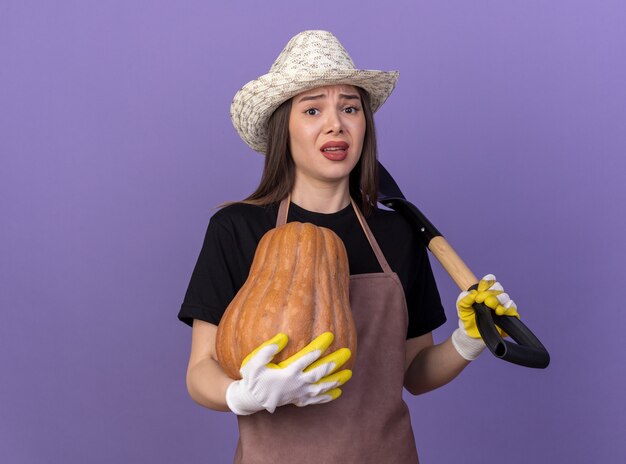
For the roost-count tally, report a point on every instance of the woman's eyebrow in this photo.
(311, 97)
(343, 96)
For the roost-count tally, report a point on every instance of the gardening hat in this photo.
(310, 59)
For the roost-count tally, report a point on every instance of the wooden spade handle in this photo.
(452, 263)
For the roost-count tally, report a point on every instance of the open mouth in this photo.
(335, 151)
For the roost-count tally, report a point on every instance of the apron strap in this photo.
(283, 210)
(370, 238)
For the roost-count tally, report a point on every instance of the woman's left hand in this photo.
(303, 379)
(466, 338)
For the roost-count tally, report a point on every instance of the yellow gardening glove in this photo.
(303, 379)
(466, 338)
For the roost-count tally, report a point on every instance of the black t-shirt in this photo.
(234, 232)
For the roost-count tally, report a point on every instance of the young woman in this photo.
(311, 116)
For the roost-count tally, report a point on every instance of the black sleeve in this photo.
(426, 312)
(215, 280)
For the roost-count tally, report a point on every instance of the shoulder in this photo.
(389, 222)
(397, 238)
(239, 214)
(242, 225)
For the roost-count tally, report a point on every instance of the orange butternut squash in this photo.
(298, 284)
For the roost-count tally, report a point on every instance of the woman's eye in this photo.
(312, 111)
(351, 109)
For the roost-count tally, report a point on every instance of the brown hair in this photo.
(278, 176)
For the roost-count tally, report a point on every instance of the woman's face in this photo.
(326, 131)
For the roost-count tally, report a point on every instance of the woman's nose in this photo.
(333, 122)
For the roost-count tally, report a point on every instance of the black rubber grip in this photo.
(527, 351)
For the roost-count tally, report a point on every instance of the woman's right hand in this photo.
(466, 339)
(303, 379)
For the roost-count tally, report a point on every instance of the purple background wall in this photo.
(508, 128)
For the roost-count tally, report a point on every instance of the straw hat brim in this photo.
(255, 102)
